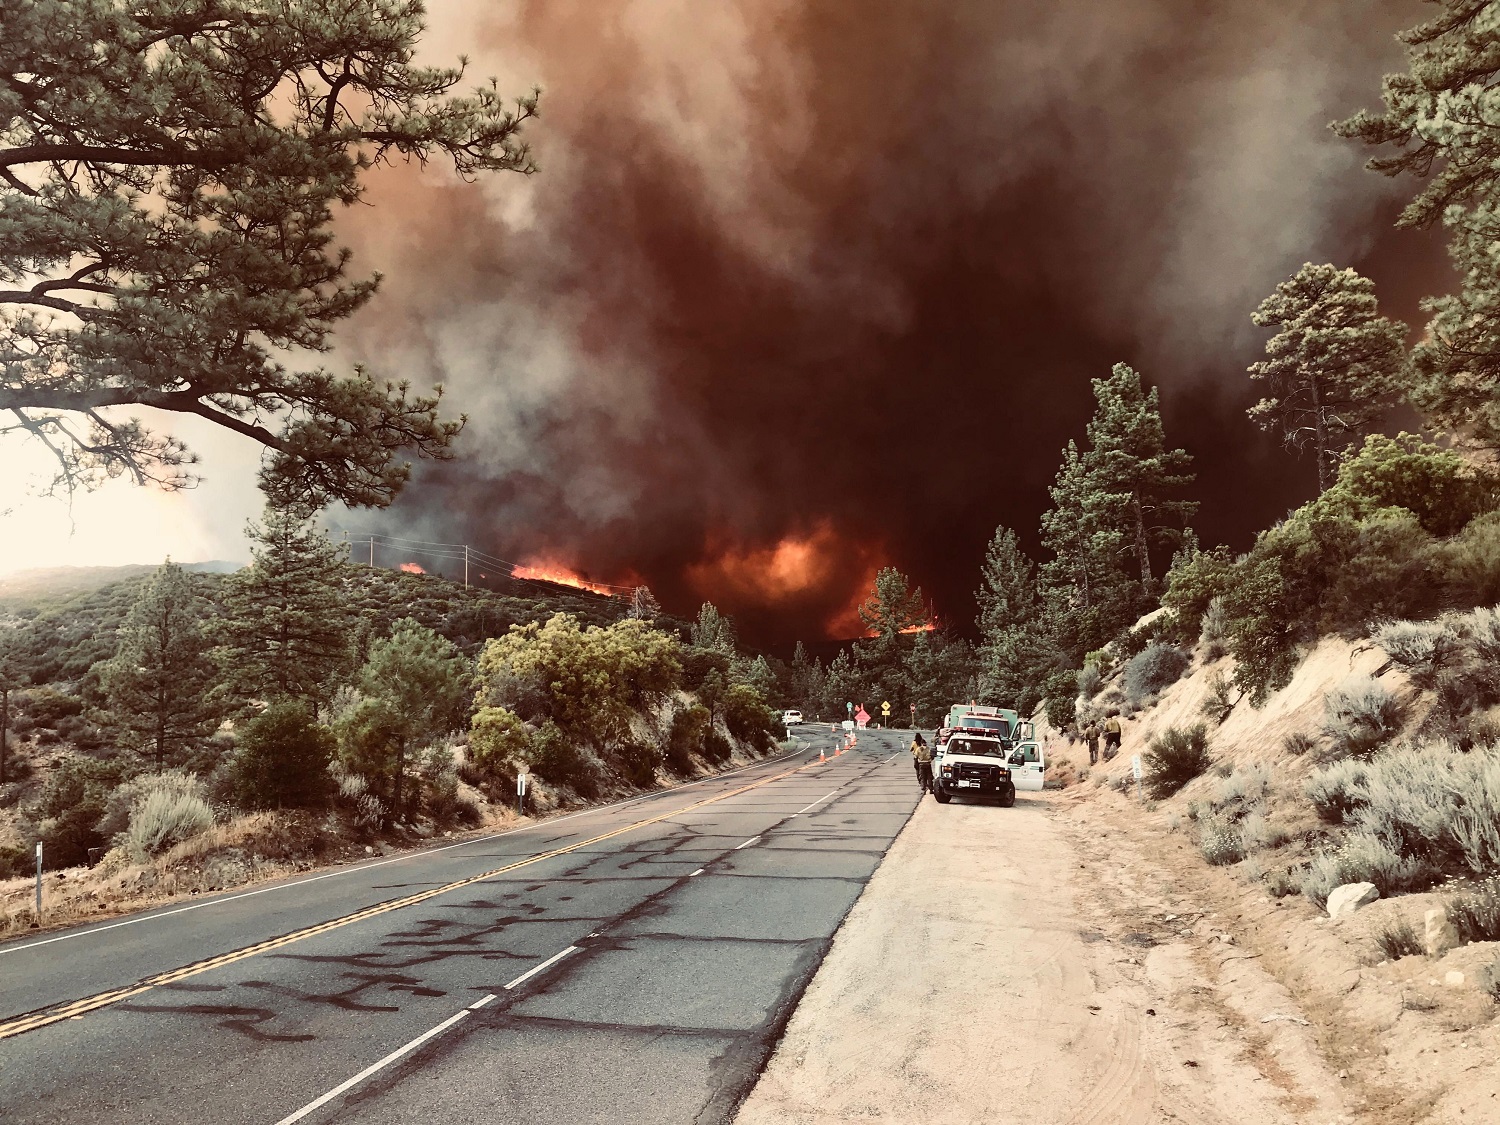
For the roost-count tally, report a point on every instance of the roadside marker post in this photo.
(38, 881)
(1135, 769)
(521, 793)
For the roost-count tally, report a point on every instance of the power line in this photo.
(468, 554)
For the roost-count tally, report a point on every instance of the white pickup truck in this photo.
(978, 765)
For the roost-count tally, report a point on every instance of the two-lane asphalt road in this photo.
(628, 964)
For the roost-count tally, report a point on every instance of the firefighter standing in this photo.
(921, 755)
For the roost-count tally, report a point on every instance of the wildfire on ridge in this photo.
(412, 568)
(561, 576)
(927, 627)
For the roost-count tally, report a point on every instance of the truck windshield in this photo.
(981, 746)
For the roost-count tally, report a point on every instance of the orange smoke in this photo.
(560, 575)
(801, 572)
(412, 568)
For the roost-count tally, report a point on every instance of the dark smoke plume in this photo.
(806, 286)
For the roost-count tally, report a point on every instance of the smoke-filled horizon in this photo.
(805, 288)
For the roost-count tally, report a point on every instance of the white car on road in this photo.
(791, 718)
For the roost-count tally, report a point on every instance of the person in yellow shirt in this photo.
(1112, 734)
(921, 755)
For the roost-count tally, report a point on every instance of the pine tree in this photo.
(1440, 115)
(1114, 509)
(892, 606)
(1087, 596)
(1333, 367)
(158, 679)
(288, 629)
(423, 681)
(643, 604)
(169, 176)
(713, 630)
(1009, 613)
(1133, 472)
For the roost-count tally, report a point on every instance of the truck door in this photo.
(1028, 767)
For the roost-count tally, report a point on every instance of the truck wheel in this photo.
(1008, 798)
(942, 797)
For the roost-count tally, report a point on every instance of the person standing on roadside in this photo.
(921, 755)
(1091, 736)
(1112, 733)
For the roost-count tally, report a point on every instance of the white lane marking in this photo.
(747, 843)
(371, 866)
(700, 871)
(554, 959)
(369, 1070)
(819, 801)
(481, 1002)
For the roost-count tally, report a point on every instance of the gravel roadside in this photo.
(987, 974)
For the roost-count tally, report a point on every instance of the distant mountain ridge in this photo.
(41, 583)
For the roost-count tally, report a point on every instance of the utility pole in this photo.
(372, 550)
(466, 566)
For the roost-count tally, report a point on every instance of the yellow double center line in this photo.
(47, 1016)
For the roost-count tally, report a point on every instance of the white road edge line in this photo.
(378, 863)
(747, 843)
(529, 973)
(481, 1002)
(369, 1070)
(819, 801)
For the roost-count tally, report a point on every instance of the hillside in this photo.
(1296, 798)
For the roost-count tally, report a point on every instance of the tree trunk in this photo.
(4, 728)
(1321, 438)
(400, 772)
(1140, 541)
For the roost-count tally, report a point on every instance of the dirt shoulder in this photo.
(1027, 964)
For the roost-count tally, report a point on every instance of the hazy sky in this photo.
(802, 287)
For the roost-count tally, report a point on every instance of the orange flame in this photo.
(561, 576)
(927, 628)
(412, 568)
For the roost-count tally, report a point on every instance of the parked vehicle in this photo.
(791, 718)
(974, 765)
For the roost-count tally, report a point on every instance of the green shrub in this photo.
(1422, 649)
(1397, 939)
(69, 809)
(1259, 833)
(1090, 678)
(590, 681)
(1151, 670)
(690, 726)
(1475, 912)
(1299, 743)
(557, 758)
(1441, 490)
(1362, 857)
(1433, 811)
(716, 748)
(1174, 758)
(48, 708)
(1470, 563)
(1221, 841)
(748, 718)
(1194, 584)
(127, 795)
(282, 760)
(1221, 698)
(698, 664)
(497, 738)
(162, 819)
(1361, 715)
(1338, 791)
(638, 763)
(1249, 784)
